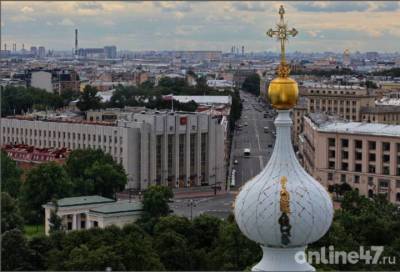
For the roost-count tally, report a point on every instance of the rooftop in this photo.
(119, 207)
(204, 99)
(83, 200)
(333, 124)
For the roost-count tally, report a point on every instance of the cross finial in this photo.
(282, 33)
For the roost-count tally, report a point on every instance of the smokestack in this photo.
(76, 42)
(23, 47)
(5, 47)
(242, 50)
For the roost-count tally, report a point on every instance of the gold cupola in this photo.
(283, 91)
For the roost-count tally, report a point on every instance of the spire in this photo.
(282, 34)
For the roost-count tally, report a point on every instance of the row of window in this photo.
(64, 135)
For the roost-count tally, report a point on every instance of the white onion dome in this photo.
(283, 206)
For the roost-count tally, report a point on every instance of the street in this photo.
(250, 134)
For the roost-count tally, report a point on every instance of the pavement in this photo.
(193, 203)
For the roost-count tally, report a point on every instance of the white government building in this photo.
(86, 212)
(167, 148)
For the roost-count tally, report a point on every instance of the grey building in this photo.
(171, 149)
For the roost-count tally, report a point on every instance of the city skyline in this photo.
(139, 26)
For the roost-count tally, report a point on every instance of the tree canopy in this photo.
(252, 84)
(10, 175)
(16, 100)
(95, 172)
(43, 183)
(88, 99)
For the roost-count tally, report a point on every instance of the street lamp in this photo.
(191, 204)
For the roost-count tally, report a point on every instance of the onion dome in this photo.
(283, 208)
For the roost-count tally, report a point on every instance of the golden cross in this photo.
(282, 33)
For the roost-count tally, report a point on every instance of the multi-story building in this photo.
(172, 149)
(364, 155)
(54, 80)
(381, 114)
(41, 52)
(344, 101)
(110, 52)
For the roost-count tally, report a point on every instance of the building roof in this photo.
(204, 99)
(119, 207)
(334, 125)
(83, 200)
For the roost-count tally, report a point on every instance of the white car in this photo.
(235, 162)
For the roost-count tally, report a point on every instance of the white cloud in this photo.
(66, 22)
(27, 9)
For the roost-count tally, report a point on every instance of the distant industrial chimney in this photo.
(76, 42)
(5, 47)
(242, 50)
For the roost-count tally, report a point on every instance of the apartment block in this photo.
(365, 155)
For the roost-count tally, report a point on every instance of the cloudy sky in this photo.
(322, 26)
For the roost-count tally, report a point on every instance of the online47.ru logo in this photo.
(371, 255)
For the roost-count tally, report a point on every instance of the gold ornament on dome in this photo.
(283, 91)
(285, 197)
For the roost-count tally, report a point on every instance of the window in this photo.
(370, 181)
(345, 155)
(331, 153)
(358, 143)
(386, 146)
(397, 183)
(385, 158)
(372, 145)
(385, 170)
(383, 184)
(356, 179)
(330, 176)
(345, 166)
(343, 178)
(331, 165)
(358, 156)
(331, 141)
(371, 169)
(345, 143)
(358, 167)
(372, 157)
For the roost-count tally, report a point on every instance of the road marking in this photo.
(261, 162)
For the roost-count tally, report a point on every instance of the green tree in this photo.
(234, 251)
(155, 201)
(55, 221)
(252, 84)
(89, 99)
(83, 259)
(16, 100)
(39, 246)
(106, 178)
(43, 183)
(178, 224)
(10, 175)
(15, 253)
(10, 215)
(174, 251)
(94, 172)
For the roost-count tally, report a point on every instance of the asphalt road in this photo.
(250, 136)
(253, 137)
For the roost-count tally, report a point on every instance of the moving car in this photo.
(246, 152)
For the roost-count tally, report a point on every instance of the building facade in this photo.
(364, 155)
(86, 212)
(171, 149)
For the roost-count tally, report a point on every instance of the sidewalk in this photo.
(185, 195)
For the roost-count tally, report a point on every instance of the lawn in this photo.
(33, 230)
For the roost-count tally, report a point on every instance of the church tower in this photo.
(283, 208)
